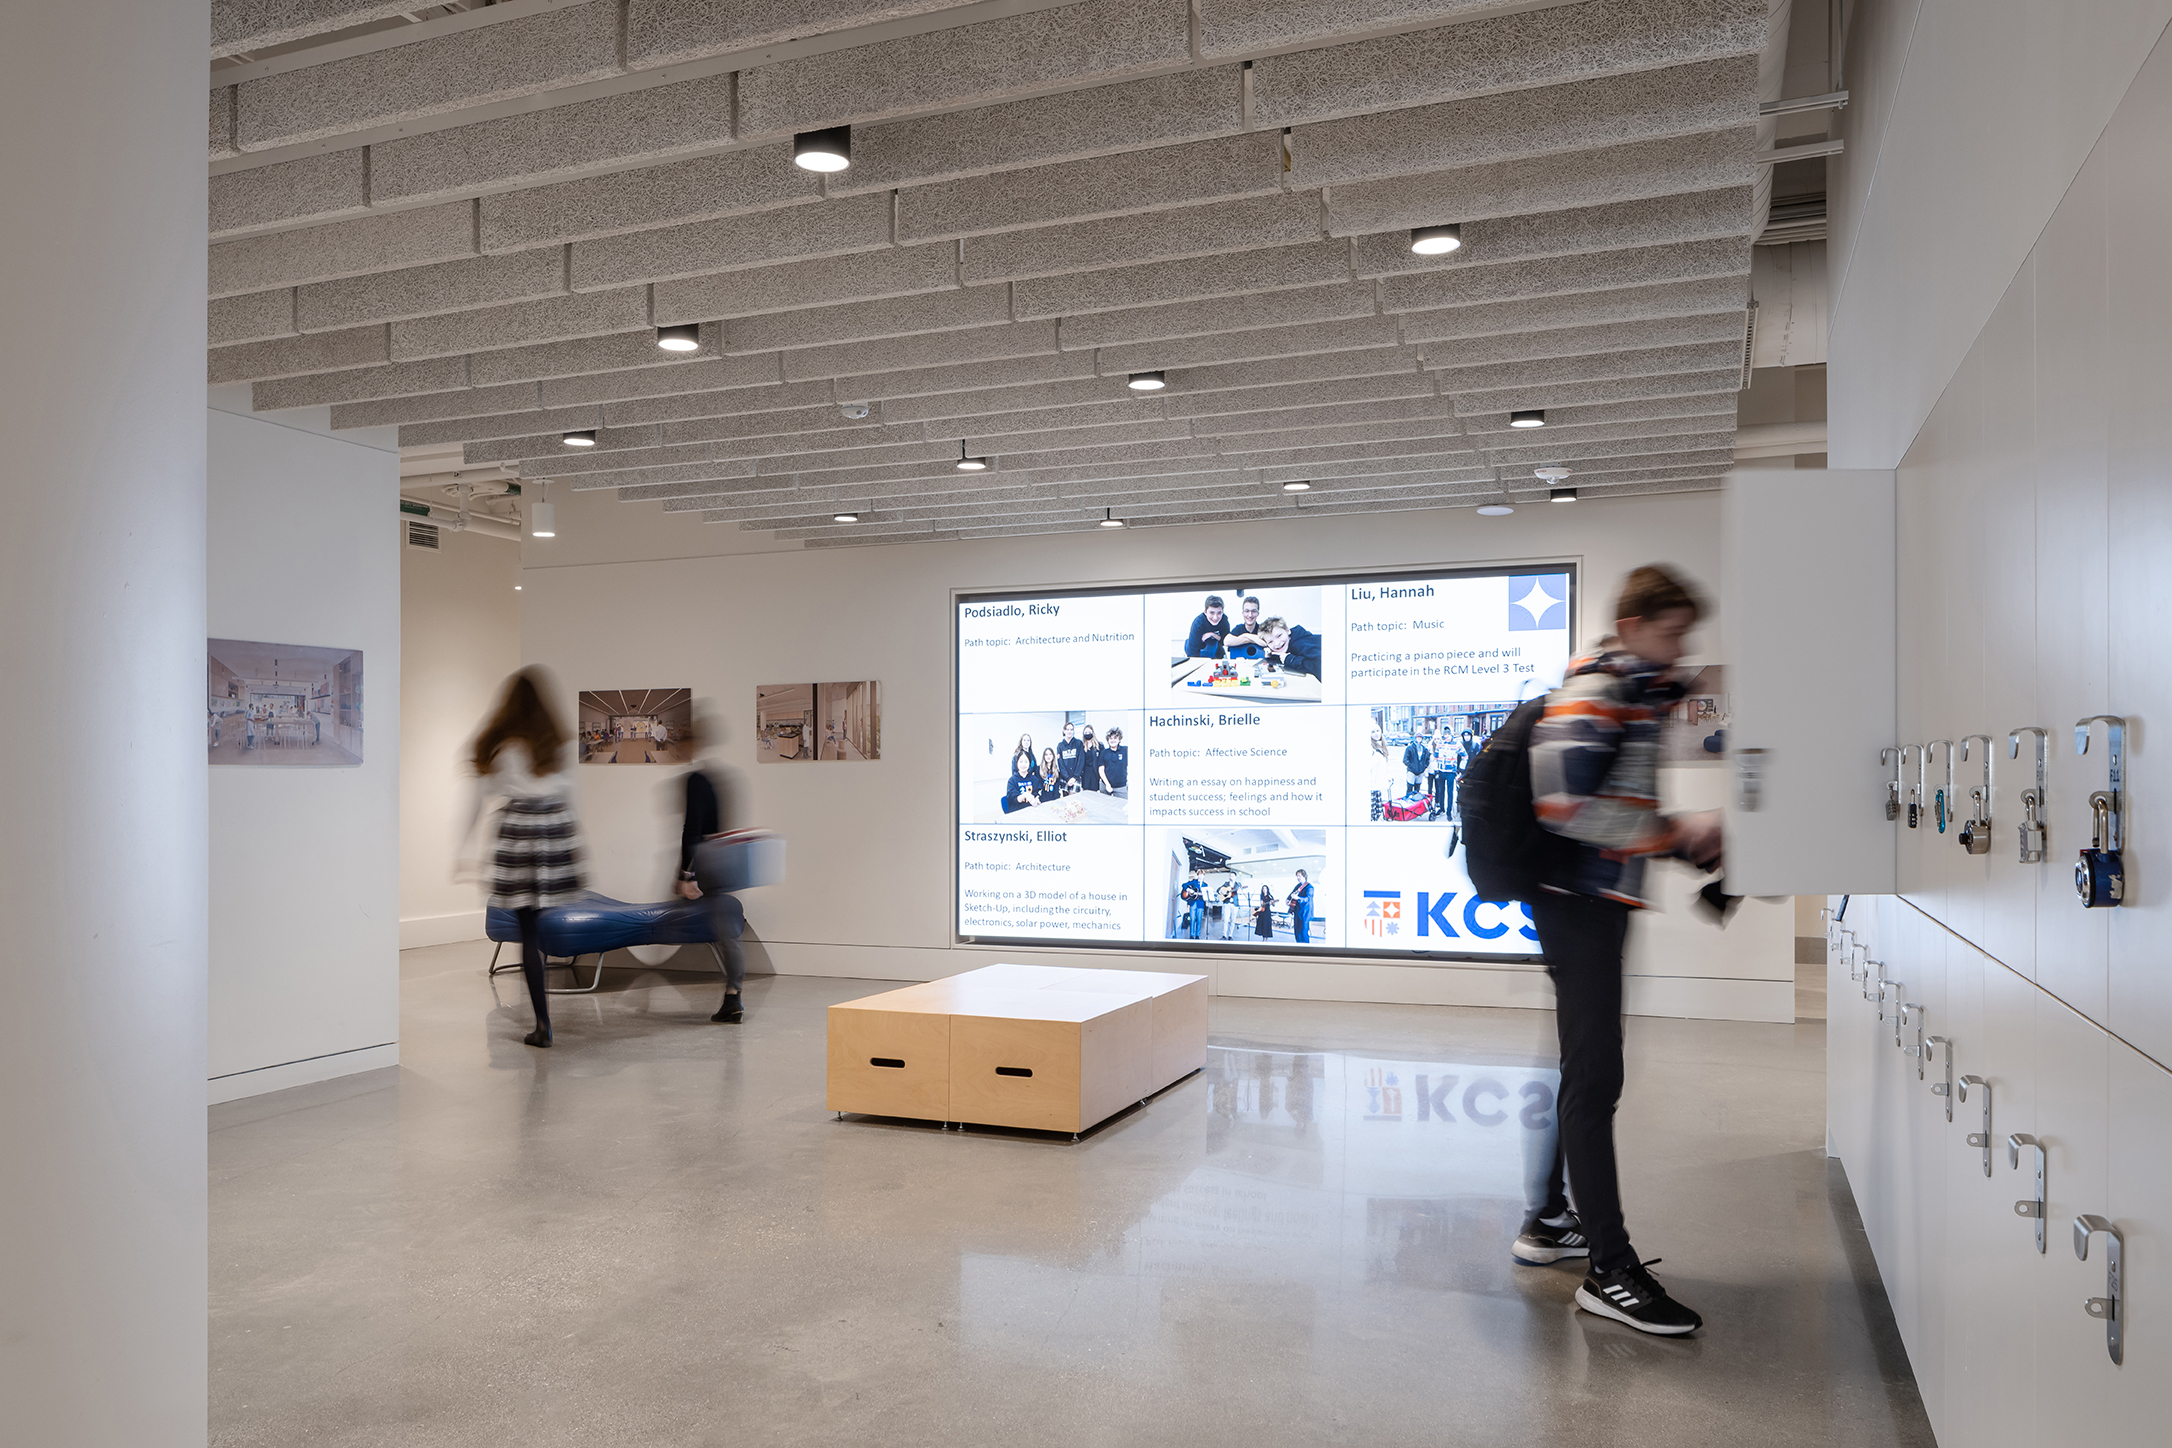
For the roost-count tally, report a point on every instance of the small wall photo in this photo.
(283, 704)
(810, 723)
(636, 726)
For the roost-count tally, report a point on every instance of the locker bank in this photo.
(1498, 779)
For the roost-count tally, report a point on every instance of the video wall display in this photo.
(1244, 766)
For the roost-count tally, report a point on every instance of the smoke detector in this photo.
(1551, 475)
(853, 410)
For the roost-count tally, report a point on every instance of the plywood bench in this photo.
(1041, 1047)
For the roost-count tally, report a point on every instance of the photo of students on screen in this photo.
(1242, 643)
(1078, 773)
(1419, 753)
(1246, 886)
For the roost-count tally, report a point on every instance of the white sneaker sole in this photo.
(1537, 1256)
(1599, 1307)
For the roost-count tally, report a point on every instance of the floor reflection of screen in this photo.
(1254, 767)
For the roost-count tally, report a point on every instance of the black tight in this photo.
(1582, 939)
(531, 965)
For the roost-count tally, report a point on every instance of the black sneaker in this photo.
(1549, 1241)
(729, 1013)
(1631, 1294)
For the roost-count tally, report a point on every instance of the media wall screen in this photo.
(1266, 767)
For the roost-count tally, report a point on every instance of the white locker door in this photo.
(2139, 1203)
(1807, 613)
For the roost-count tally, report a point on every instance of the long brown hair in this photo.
(525, 716)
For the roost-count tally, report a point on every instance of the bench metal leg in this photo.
(574, 965)
(495, 951)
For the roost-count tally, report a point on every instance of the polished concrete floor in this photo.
(654, 1234)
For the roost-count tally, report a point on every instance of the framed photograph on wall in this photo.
(283, 704)
(809, 723)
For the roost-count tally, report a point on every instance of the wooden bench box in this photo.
(1041, 1047)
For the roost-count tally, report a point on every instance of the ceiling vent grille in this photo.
(1749, 344)
(422, 535)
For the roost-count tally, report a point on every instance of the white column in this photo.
(102, 773)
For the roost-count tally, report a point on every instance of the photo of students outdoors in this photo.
(636, 726)
(1050, 766)
(1419, 751)
(1236, 643)
(1247, 886)
(286, 704)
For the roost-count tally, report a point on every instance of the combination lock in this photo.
(2100, 878)
(2032, 827)
(1976, 831)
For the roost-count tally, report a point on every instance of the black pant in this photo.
(531, 964)
(729, 917)
(1582, 938)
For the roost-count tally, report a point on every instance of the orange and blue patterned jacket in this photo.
(1595, 772)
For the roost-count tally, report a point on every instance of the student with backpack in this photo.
(1561, 811)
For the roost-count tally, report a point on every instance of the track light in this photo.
(1561, 495)
(1527, 417)
(1147, 382)
(1436, 240)
(845, 518)
(586, 437)
(1296, 487)
(1109, 519)
(969, 465)
(542, 517)
(1495, 510)
(829, 150)
(683, 338)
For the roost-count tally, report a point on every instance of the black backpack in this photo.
(1506, 851)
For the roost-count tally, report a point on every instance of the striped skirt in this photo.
(538, 860)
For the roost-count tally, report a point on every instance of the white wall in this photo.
(304, 874)
(102, 1221)
(2035, 533)
(870, 887)
(459, 638)
(1967, 122)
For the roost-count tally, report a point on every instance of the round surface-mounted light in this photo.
(1147, 382)
(1109, 520)
(1527, 417)
(829, 150)
(1495, 510)
(1561, 495)
(584, 438)
(1436, 240)
(845, 518)
(1297, 487)
(684, 338)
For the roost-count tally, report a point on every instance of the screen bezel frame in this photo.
(959, 597)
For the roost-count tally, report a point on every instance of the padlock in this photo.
(1892, 802)
(1975, 834)
(1914, 810)
(2032, 828)
(2100, 878)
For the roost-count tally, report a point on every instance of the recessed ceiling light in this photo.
(1110, 520)
(684, 338)
(516, 588)
(1561, 495)
(1436, 240)
(1527, 417)
(1495, 510)
(1297, 487)
(829, 150)
(584, 438)
(969, 465)
(1147, 382)
(845, 518)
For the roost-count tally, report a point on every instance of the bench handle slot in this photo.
(1014, 1071)
(891, 1061)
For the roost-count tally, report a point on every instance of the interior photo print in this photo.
(808, 723)
(1255, 886)
(1240, 644)
(290, 704)
(637, 726)
(1053, 766)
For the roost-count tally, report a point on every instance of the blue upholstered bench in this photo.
(596, 924)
